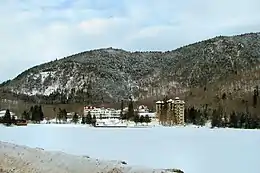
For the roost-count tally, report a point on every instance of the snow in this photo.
(117, 122)
(44, 75)
(70, 82)
(35, 76)
(15, 158)
(111, 122)
(51, 89)
(150, 114)
(31, 93)
(111, 51)
(193, 150)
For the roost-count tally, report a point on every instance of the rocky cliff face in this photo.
(113, 74)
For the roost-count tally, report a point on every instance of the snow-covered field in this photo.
(21, 159)
(193, 150)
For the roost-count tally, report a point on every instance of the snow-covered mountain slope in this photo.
(112, 74)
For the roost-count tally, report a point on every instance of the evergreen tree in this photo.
(233, 122)
(130, 113)
(25, 115)
(186, 115)
(242, 120)
(255, 122)
(41, 113)
(247, 121)
(64, 115)
(206, 116)
(88, 118)
(147, 119)
(136, 119)
(7, 118)
(75, 118)
(141, 119)
(197, 117)
(31, 113)
(122, 110)
(163, 114)
(60, 115)
(192, 115)
(83, 120)
(200, 119)
(36, 113)
(216, 119)
(255, 96)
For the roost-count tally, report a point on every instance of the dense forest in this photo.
(221, 114)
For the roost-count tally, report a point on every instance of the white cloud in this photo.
(33, 32)
(100, 27)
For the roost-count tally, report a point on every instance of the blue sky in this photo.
(35, 31)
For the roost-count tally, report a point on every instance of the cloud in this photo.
(34, 32)
(100, 27)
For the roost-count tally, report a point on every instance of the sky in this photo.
(35, 31)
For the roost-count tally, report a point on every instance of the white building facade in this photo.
(102, 113)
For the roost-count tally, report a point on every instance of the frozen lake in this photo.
(193, 150)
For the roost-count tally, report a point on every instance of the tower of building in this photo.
(158, 108)
(178, 108)
(174, 113)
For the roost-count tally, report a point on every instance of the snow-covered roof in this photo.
(169, 101)
(53, 120)
(176, 100)
(146, 113)
(159, 102)
(70, 113)
(142, 107)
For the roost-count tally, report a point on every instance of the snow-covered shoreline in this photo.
(22, 159)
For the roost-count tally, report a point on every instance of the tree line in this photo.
(7, 119)
(218, 118)
(89, 119)
(132, 115)
(35, 114)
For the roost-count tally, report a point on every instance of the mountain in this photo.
(223, 63)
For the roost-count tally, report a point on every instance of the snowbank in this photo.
(21, 159)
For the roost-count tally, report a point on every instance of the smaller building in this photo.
(143, 108)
